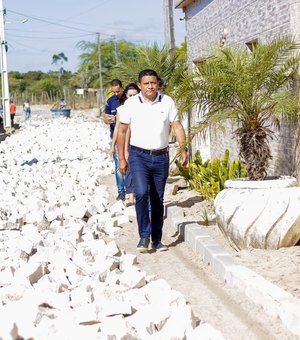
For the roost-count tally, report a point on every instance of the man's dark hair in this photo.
(116, 82)
(147, 72)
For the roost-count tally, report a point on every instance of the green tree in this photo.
(15, 75)
(34, 75)
(169, 67)
(253, 89)
(49, 86)
(59, 59)
(112, 53)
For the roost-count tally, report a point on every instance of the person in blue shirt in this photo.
(110, 118)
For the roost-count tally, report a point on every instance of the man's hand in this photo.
(123, 165)
(184, 157)
(108, 119)
(112, 150)
(180, 136)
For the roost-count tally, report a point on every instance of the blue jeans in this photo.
(120, 181)
(27, 113)
(129, 181)
(149, 175)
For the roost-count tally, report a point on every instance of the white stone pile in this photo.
(59, 278)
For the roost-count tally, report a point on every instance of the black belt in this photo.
(151, 152)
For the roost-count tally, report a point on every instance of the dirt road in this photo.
(229, 311)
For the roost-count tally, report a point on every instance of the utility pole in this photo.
(116, 51)
(169, 26)
(4, 74)
(100, 73)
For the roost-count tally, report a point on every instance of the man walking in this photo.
(110, 118)
(27, 110)
(12, 111)
(150, 115)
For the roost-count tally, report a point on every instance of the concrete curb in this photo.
(275, 301)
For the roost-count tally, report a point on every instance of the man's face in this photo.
(149, 87)
(117, 90)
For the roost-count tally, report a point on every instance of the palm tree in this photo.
(169, 67)
(256, 90)
(59, 58)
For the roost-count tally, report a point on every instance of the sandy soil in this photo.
(228, 310)
(282, 266)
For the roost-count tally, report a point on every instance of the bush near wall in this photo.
(208, 177)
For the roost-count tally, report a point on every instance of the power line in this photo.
(57, 23)
(50, 22)
(52, 38)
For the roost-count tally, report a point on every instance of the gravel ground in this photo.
(226, 309)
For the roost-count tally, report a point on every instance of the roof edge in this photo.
(182, 3)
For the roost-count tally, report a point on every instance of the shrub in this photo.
(208, 177)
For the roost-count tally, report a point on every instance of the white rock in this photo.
(31, 270)
(116, 327)
(117, 207)
(127, 261)
(79, 297)
(181, 321)
(6, 276)
(111, 304)
(206, 332)
(132, 278)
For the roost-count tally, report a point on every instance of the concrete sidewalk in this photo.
(275, 301)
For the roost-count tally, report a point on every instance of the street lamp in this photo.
(17, 21)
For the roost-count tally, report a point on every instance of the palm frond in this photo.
(254, 89)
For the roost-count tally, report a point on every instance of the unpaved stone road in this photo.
(226, 309)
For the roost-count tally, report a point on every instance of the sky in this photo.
(56, 26)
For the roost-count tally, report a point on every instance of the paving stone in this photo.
(211, 252)
(221, 263)
(197, 235)
(202, 243)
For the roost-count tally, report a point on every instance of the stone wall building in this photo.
(242, 23)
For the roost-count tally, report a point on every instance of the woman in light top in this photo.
(130, 90)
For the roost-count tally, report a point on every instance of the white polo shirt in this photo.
(149, 122)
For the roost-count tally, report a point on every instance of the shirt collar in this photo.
(157, 99)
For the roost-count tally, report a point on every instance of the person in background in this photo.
(63, 103)
(150, 115)
(27, 110)
(12, 110)
(130, 90)
(110, 118)
(161, 84)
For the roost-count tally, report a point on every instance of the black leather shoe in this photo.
(143, 245)
(158, 246)
(121, 196)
